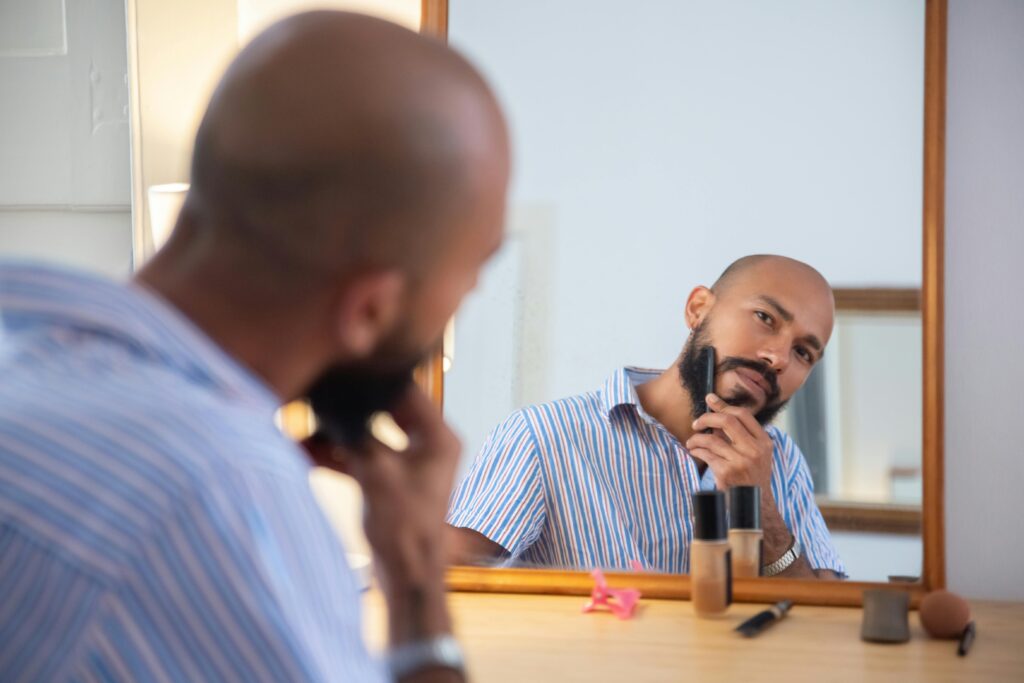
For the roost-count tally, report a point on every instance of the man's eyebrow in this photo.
(783, 313)
(810, 339)
(815, 344)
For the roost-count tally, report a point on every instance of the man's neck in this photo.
(270, 344)
(664, 399)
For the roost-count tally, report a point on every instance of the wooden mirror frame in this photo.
(434, 21)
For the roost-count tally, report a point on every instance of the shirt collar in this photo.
(620, 390)
(37, 297)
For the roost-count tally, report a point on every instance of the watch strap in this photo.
(441, 651)
(782, 564)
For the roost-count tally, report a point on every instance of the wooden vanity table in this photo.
(539, 638)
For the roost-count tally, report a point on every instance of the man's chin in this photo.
(762, 411)
(742, 399)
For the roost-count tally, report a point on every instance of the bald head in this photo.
(773, 277)
(337, 141)
(762, 265)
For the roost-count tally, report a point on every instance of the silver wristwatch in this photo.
(780, 565)
(442, 651)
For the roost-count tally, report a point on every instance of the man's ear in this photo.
(367, 309)
(698, 305)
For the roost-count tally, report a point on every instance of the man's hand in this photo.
(406, 497)
(738, 451)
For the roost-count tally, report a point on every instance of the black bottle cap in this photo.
(709, 516)
(745, 507)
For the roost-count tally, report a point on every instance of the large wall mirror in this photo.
(655, 144)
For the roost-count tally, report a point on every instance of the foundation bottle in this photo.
(745, 535)
(710, 567)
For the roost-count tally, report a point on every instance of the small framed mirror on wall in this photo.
(656, 145)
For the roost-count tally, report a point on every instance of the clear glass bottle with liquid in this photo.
(710, 565)
(746, 539)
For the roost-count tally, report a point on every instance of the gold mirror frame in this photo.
(434, 21)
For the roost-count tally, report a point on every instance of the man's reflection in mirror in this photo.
(605, 478)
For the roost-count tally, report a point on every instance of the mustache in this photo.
(761, 368)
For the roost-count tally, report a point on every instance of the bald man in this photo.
(605, 479)
(348, 182)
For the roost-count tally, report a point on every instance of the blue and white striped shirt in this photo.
(593, 481)
(154, 523)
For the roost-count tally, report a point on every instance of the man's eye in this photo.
(764, 317)
(805, 354)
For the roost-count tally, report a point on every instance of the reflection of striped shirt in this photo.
(593, 481)
(154, 524)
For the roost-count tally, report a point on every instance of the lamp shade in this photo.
(165, 203)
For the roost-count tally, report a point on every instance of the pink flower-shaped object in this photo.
(619, 601)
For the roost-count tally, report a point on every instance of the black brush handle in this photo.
(709, 378)
(757, 623)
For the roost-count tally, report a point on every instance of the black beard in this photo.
(692, 372)
(344, 396)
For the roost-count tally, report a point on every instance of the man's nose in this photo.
(776, 359)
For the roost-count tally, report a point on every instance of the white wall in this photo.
(984, 311)
(94, 240)
(177, 52)
(64, 164)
